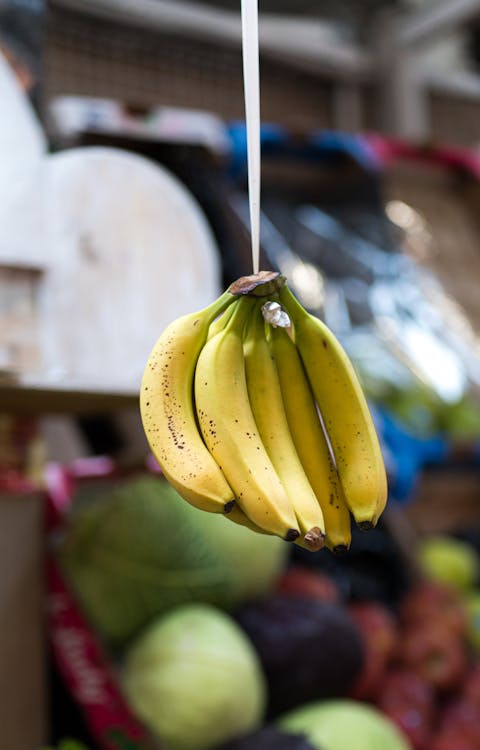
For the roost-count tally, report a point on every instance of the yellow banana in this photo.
(239, 517)
(267, 406)
(168, 416)
(345, 413)
(309, 440)
(230, 433)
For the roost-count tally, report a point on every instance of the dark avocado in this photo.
(309, 649)
(269, 738)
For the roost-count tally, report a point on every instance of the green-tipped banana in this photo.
(309, 440)
(230, 433)
(220, 322)
(268, 409)
(241, 519)
(168, 416)
(345, 413)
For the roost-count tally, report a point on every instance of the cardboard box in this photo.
(23, 692)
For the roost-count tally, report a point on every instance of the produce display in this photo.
(268, 427)
(421, 665)
(225, 639)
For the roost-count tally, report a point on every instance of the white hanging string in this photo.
(251, 83)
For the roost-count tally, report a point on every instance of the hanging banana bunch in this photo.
(253, 409)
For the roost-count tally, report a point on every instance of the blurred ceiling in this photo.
(402, 65)
(311, 7)
(351, 15)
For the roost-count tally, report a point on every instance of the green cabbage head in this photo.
(344, 725)
(135, 550)
(194, 679)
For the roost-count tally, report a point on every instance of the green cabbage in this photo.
(137, 550)
(343, 725)
(194, 679)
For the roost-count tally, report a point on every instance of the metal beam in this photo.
(401, 95)
(438, 18)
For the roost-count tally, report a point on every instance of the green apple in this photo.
(343, 725)
(449, 561)
(472, 605)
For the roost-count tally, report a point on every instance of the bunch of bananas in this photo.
(264, 423)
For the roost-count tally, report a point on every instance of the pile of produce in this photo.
(269, 427)
(211, 641)
(422, 666)
(225, 640)
(201, 679)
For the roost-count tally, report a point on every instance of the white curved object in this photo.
(22, 149)
(130, 250)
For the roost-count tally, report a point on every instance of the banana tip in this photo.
(291, 535)
(340, 550)
(366, 525)
(314, 539)
(228, 507)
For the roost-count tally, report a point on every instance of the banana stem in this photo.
(217, 307)
(254, 319)
(261, 284)
(291, 303)
(241, 313)
(221, 321)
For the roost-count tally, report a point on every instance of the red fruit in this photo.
(412, 723)
(300, 581)
(402, 687)
(370, 678)
(378, 630)
(409, 702)
(471, 686)
(436, 656)
(378, 627)
(434, 601)
(451, 741)
(461, 717)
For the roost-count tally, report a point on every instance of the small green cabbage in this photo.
(343, 725)
(194, 679)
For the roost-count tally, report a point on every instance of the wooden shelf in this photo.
(25, 397)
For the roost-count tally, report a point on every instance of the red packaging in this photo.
(87, 670)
